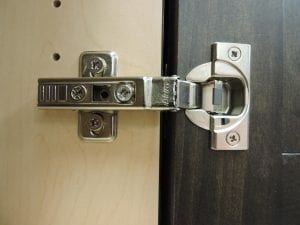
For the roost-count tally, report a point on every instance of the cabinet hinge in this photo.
(215, 95)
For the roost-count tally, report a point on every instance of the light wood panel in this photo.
(48, 176)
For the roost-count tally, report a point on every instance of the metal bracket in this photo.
(216, 95)
(97, 125)
(228, 121)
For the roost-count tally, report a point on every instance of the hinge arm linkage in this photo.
(145, 93)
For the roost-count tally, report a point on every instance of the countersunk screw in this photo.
(78, 92)
(95, 124)
(124, 92)
(96, 66)
(233, 138)
(234, 53)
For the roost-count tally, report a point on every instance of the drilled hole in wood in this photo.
(57, 3)
(56, 56)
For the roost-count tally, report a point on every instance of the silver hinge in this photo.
(215, 95)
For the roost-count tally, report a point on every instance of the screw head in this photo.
(96, 66)
(124, 92)
(234, 53)
(95, 124)
(78, 93)
(233, 138)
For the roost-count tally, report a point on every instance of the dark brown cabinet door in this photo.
(260, 186)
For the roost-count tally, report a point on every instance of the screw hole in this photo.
(57, 3)
(56, 56)
(104, 94)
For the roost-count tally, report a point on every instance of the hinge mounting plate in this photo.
(228, 121)
(98, 125)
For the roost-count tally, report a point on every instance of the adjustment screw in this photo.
(78, 92)
(97, 66)
(234, 53)
(233, 138)
(124, 92)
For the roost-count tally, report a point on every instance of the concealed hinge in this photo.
(215, 95)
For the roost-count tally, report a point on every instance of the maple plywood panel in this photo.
(48, 175)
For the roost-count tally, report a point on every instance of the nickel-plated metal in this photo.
(232, 68)
(78, 92)
(234, 53)
(97, 125)
(132, 93)
(233, 138)
(124, 92)
(98, 64)
(188, 95)
(215, 95)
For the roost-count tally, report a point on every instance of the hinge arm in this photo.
(117, 93)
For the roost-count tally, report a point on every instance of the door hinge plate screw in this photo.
(233, 138)
(234, 53)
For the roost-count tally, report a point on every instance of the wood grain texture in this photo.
(48, 175)
(204, 187)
